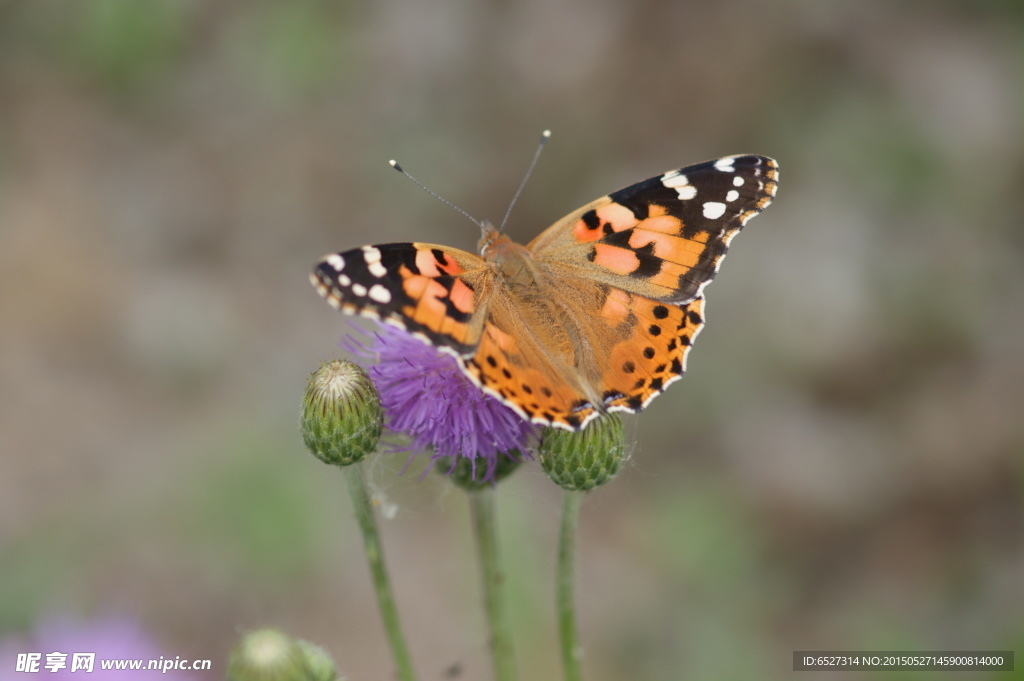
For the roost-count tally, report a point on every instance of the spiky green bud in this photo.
(321, 665)
(465, 477)
(269, 655)
(584, 459)
(341, 414)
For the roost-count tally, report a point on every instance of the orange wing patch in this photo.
(441, 304)
(615, 258)
(616, 308)
(605, 217)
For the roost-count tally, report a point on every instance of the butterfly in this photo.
(596, 314)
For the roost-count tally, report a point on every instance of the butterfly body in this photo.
(596, 314)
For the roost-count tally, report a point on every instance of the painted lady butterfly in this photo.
(596, 314)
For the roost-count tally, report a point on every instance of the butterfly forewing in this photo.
(663, 238)
(429, 290)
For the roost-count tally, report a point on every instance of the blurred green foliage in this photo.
(293, 50)
(251, 509)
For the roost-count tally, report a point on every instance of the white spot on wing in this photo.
(359, 289)
(681, 183)
(737, 181)
(336, 261)
(686, 192)
(714, 210)
(725, 165)
(380, 294)
(371, 254)
(344, 280)
(732, 195)
(673, 179)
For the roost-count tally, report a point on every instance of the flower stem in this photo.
(375, 556)
(481, 504)
(572, 654)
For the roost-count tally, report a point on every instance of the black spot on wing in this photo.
(440, 256)
(620, 239)
(591, 220)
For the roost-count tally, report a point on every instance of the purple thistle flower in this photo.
(426, 395)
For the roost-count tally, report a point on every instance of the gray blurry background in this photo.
(840, 469)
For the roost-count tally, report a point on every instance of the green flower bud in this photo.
(321, 664)
(463, 474)
(341, 414)
(585, 459)
(268, 655)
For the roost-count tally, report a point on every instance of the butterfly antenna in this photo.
(478, 223)
(544, 137)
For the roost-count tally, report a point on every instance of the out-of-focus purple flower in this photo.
(110, 638)
(426, 395)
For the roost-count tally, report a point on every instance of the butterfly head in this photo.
(490, 239)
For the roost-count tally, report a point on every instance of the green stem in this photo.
(375, 556)
(572, 654)
(481, 504)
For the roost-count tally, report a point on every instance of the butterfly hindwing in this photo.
(638, 370)
(426, 289)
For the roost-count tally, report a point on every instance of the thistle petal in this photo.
(426, 395)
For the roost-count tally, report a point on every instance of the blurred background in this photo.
(841, 468)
